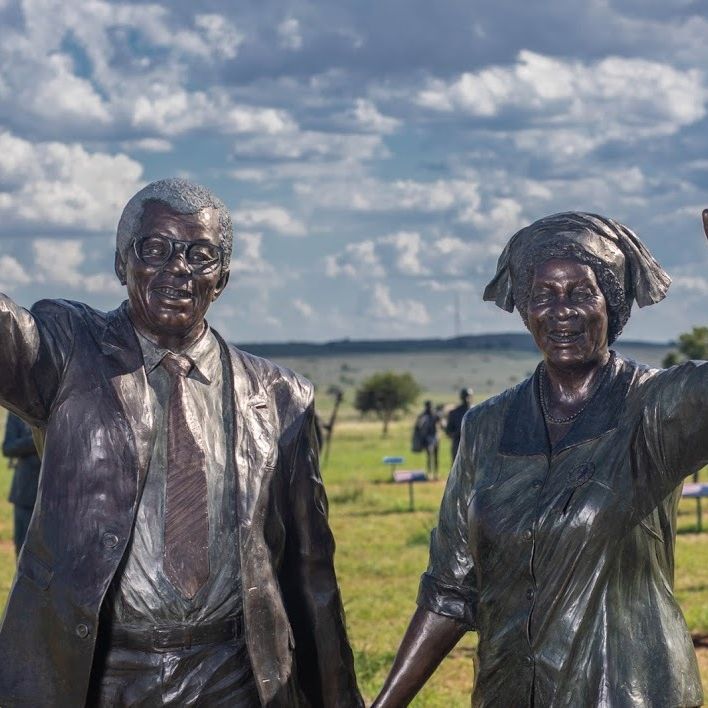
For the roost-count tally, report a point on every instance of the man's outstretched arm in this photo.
(427, 641)
(30, 366)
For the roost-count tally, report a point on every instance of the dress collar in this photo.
(525, 429)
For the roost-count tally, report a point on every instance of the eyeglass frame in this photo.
(186, 245)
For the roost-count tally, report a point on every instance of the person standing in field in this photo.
(453, 426)
(18, 446)
(426, 431)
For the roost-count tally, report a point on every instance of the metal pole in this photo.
(699, 512)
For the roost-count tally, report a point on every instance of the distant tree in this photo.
(385, 393)
(691, 345)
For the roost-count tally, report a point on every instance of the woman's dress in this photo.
(563, 561)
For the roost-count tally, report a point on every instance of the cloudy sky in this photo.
(376, 154)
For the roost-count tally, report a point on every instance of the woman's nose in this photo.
(563, 310)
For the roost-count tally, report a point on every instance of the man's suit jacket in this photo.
(77, 374)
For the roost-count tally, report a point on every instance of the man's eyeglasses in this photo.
(157, 251)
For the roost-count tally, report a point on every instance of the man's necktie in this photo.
(186, 556)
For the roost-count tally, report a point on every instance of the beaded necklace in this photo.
(543, 385)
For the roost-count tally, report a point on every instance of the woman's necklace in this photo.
(545, 407)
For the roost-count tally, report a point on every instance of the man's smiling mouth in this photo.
(171, 293)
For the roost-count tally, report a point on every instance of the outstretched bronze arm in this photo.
(428, 639)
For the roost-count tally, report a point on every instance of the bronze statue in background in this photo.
(19, 447)
(179, 552)
(556, 533)
(453, 423)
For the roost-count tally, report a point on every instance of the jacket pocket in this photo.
(34, 569)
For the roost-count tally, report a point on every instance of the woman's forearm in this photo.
(428, 639)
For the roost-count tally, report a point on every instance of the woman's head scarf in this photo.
(625, 269)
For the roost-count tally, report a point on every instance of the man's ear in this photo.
(119, 266)
(223, 280)
(705, 221)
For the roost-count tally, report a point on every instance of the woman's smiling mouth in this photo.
(565, 337)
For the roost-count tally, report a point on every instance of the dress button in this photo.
(530, 593)
(528, 534)
(82, 630)
(537, 483)
(109, 540)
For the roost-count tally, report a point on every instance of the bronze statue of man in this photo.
(179, 552)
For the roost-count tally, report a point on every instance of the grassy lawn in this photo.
(382, 550)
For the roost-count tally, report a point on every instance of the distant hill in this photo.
(512, 341)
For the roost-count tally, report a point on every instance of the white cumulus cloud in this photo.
(64, 185)
(575, 106)
(60, 260)
(368, 117)
(290, 34)
(269, 216)
(382, 306)
(247, 258)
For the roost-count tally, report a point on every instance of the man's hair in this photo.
(183, 197)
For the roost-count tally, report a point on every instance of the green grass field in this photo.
(382, 550)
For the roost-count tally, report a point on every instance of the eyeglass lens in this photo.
(157, 250)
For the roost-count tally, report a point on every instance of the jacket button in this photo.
(537, 483)
(530, 593)
(528, 534)
(82, 630)
(109, 540)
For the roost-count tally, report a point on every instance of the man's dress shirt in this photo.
(142, 596)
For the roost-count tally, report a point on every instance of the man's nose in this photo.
(177, 262)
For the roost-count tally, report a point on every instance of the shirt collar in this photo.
(204, 354)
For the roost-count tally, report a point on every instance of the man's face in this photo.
(168, 303)
(567, 313)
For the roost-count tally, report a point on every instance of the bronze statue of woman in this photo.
(555, 540)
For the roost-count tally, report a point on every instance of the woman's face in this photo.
(567, 313)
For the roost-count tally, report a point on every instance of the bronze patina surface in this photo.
(91, 608)
(555, 540)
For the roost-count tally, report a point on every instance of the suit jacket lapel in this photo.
(125, 371)
(254, 437)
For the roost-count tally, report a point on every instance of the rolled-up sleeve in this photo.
(448, 587)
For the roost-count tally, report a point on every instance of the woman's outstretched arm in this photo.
(428, 639)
